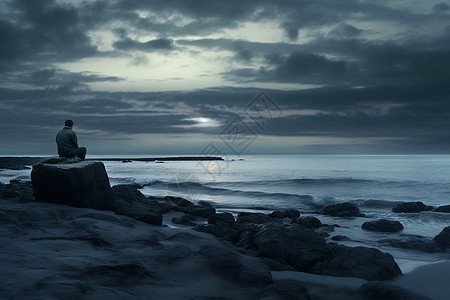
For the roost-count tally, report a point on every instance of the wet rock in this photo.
(290, 214)
(130, 202)
(83, 184)
(187, 220)
(226, 218)
(254, 218)
(287, 289)
(346, 209)
(119, 275)
(383, 225)
(443, 209)
(308, 222)
(18, 191)
(234, 267)
(443, 238)
(361, 262)
(411, 207)
(383, 290)
(416, 242)
(340, 238)
(178, 201)
(200, 211)
(299, 248)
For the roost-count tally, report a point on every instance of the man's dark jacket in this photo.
(67, 142)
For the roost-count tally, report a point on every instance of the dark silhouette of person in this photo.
(67, 142)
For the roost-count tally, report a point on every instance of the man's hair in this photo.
(68, 123)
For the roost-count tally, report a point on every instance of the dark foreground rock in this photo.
(84, 184)
(346, 209)
(411, 207)
(18, 191)
(383, 290)
(361, 262)
(298, 248)
(128, 201)
(443, 238)
(383, 225)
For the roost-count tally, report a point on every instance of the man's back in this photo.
(67, 142)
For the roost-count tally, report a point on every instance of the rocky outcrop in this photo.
(298, 248)
(411, 207)
(443, 238)
(18, 191)
(83, 184)
(383, 225)
(346, 209)
(128, 201)
(443, 209)
(361, 262)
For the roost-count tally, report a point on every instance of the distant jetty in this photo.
(21, 163)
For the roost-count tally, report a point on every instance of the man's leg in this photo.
(81, 152)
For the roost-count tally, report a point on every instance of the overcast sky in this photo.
(237, 77)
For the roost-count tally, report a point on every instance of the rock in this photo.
(130, 202)
(346, 209)
(234, 267)
(416, 242)
(287, 289)
(290, 213)
(443, 238)
(383, 225)
(340, 238)
(254, 218)
(308, 222)
(361, 262)
(226, 218)
(119, 275)
(18, 191)
(300, 249)
(187, 220)
(199, 211)
(382, 290)
(411, 207)
(60, 160)
(443, 209)
(178, 201)
(83, 184)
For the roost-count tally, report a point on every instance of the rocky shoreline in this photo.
(172, 248)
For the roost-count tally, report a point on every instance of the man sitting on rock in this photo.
(67, 142)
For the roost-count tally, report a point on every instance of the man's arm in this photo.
(74, 140)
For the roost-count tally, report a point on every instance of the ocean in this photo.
(264, 183)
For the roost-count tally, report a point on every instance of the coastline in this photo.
(53, 251)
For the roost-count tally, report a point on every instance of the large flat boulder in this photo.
(82, 184)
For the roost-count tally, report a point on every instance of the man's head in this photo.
(68, 123)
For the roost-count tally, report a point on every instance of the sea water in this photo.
(307, 183)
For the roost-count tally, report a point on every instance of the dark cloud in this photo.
(149, 46)
(373, 84)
